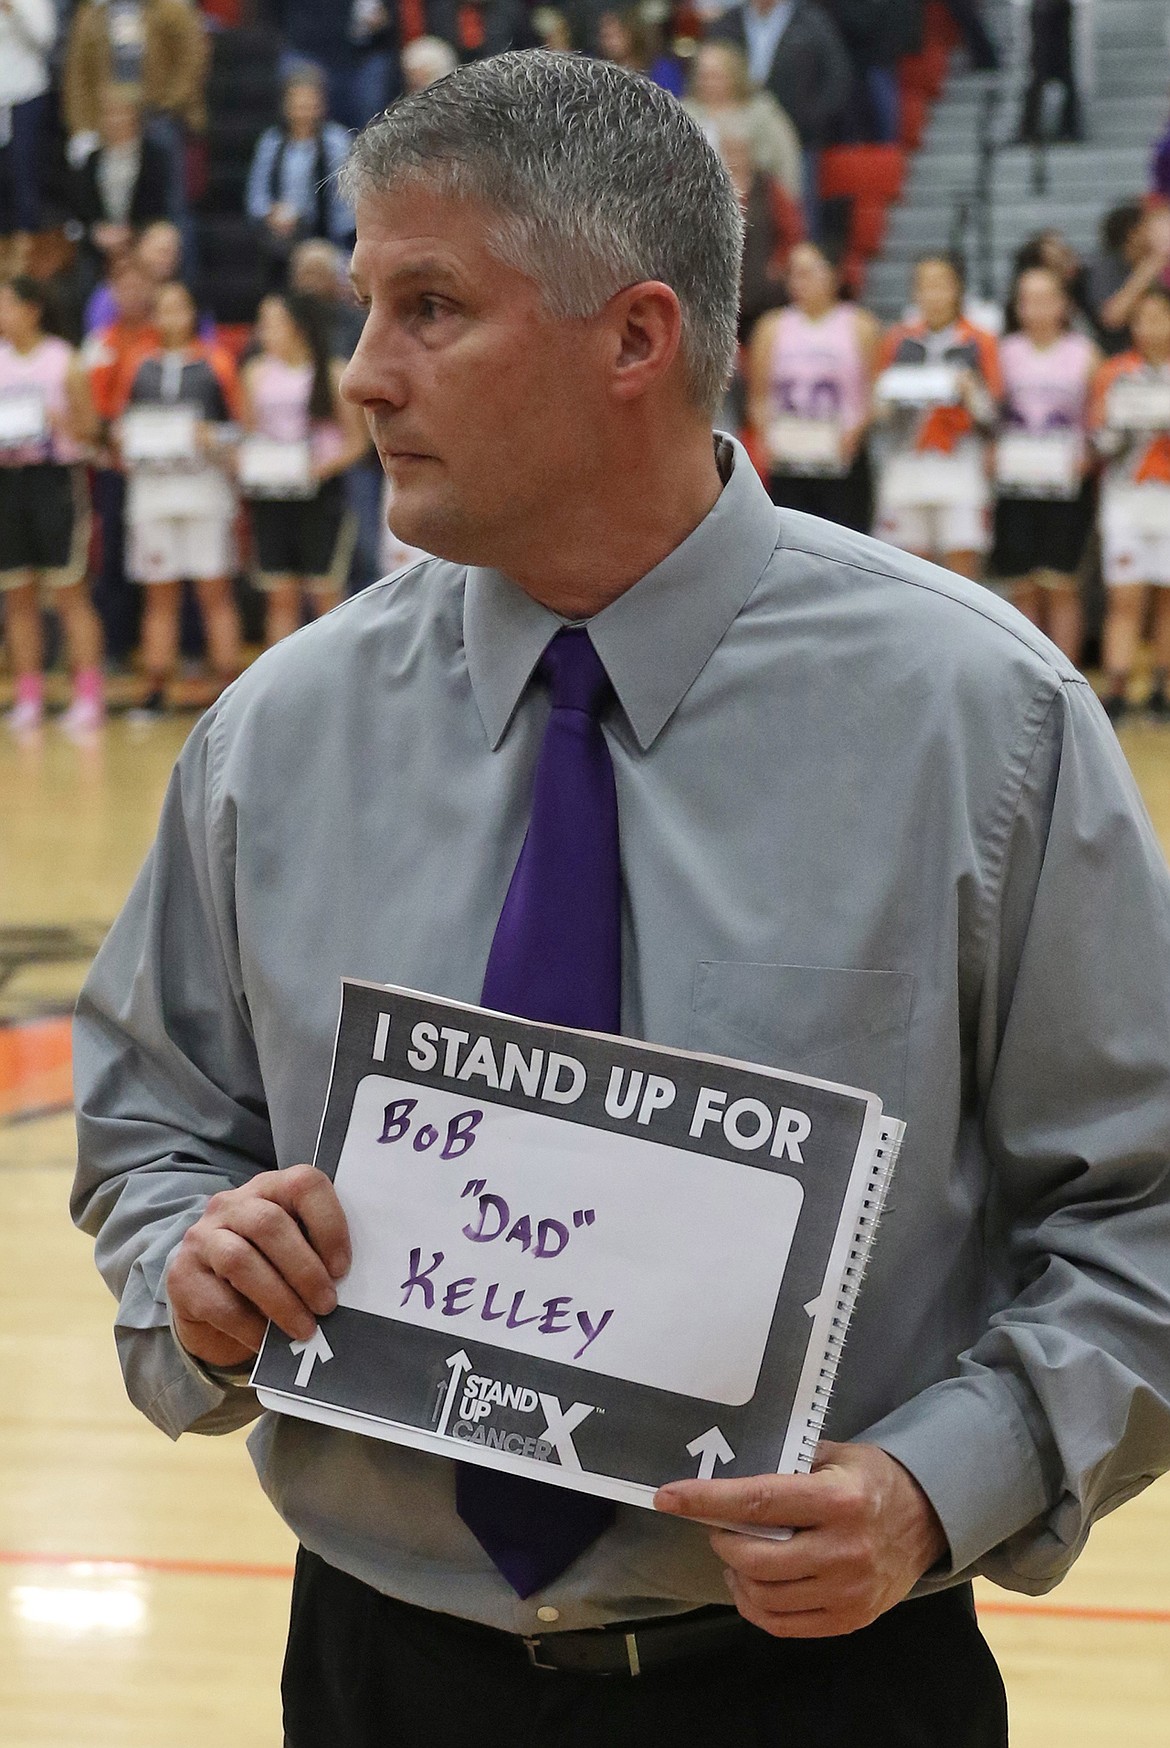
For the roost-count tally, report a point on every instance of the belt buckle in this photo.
(633, 1658)
(532, 1646)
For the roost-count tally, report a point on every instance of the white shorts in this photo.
(1129, 555)
(935, 529)
(164, 549)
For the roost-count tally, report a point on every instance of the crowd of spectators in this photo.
(107, 108)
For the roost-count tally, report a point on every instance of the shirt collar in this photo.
(657, 637)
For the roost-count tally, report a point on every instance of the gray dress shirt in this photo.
(874, 827)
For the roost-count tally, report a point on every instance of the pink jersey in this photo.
(1046, 389)
(280, 402)
(45, 371)
(818, 371)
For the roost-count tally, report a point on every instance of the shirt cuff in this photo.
(968, 1446)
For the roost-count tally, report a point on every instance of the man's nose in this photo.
(371, 374)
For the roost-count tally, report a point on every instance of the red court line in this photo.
(242, 1569)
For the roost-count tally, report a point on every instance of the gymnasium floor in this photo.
(144, 1585)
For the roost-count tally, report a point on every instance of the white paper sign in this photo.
(931, 479)
(268, 468)
(1039, 464)
(919, 385)
(159, 492)
(23, 418)
(158, 436)
(1144, 509)
(805, 445)
(1134, 405)
(656, 1258)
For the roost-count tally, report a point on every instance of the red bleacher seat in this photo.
(915, 108)
(867, 227)
(862, 172)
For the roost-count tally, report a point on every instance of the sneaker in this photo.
(152, 709)
(84, 716)
(26, 716)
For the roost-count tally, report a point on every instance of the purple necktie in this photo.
(556, 956)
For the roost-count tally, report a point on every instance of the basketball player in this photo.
(1042, 527)
(953, 523)
(44, 511)
(179, 520)
(1135, 505)
(811, 367)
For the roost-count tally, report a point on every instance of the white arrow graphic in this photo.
(459, 1364)
(316, 1348)
(710, 1447)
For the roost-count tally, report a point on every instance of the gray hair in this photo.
(600, 180)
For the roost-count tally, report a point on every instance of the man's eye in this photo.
(430, 308)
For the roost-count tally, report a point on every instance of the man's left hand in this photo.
(864, 1533)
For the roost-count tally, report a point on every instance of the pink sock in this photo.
(30, 689)
(88, 685)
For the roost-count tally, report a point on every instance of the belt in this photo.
(631, 1649)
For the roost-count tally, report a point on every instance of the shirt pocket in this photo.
(833, 1022)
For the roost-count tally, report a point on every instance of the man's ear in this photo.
(645, 328)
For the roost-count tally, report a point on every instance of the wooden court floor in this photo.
(144, 1585)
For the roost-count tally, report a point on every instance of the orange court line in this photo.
(242, 1569)
(1075, 1611)
(147, 1563)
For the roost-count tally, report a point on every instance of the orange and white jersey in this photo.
(1133, 455)
(943, 429)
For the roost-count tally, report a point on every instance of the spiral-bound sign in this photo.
(590, 1260)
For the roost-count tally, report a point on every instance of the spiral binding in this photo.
(885, 1157)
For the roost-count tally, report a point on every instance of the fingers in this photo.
(221, 1327)
(808, 1623)
(271, 1249)
(767, 1501)
(310, 1195)
(827, 1603)
(772, 1562)
(273, 1268)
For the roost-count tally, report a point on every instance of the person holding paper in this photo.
(303, 528)
(643, 754)
(931, 456)
(1131, 418)
(1044, 495)
(810, 369)
(46, 424)
(180, 507)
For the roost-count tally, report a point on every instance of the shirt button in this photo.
(548, 1615)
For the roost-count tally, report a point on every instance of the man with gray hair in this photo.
(642, 754)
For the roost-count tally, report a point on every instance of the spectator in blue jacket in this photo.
(292, 184)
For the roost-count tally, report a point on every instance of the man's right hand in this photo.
(271, 1249)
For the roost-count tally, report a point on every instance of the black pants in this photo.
(847, 501)
(364, 1672)
(1052, 60)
